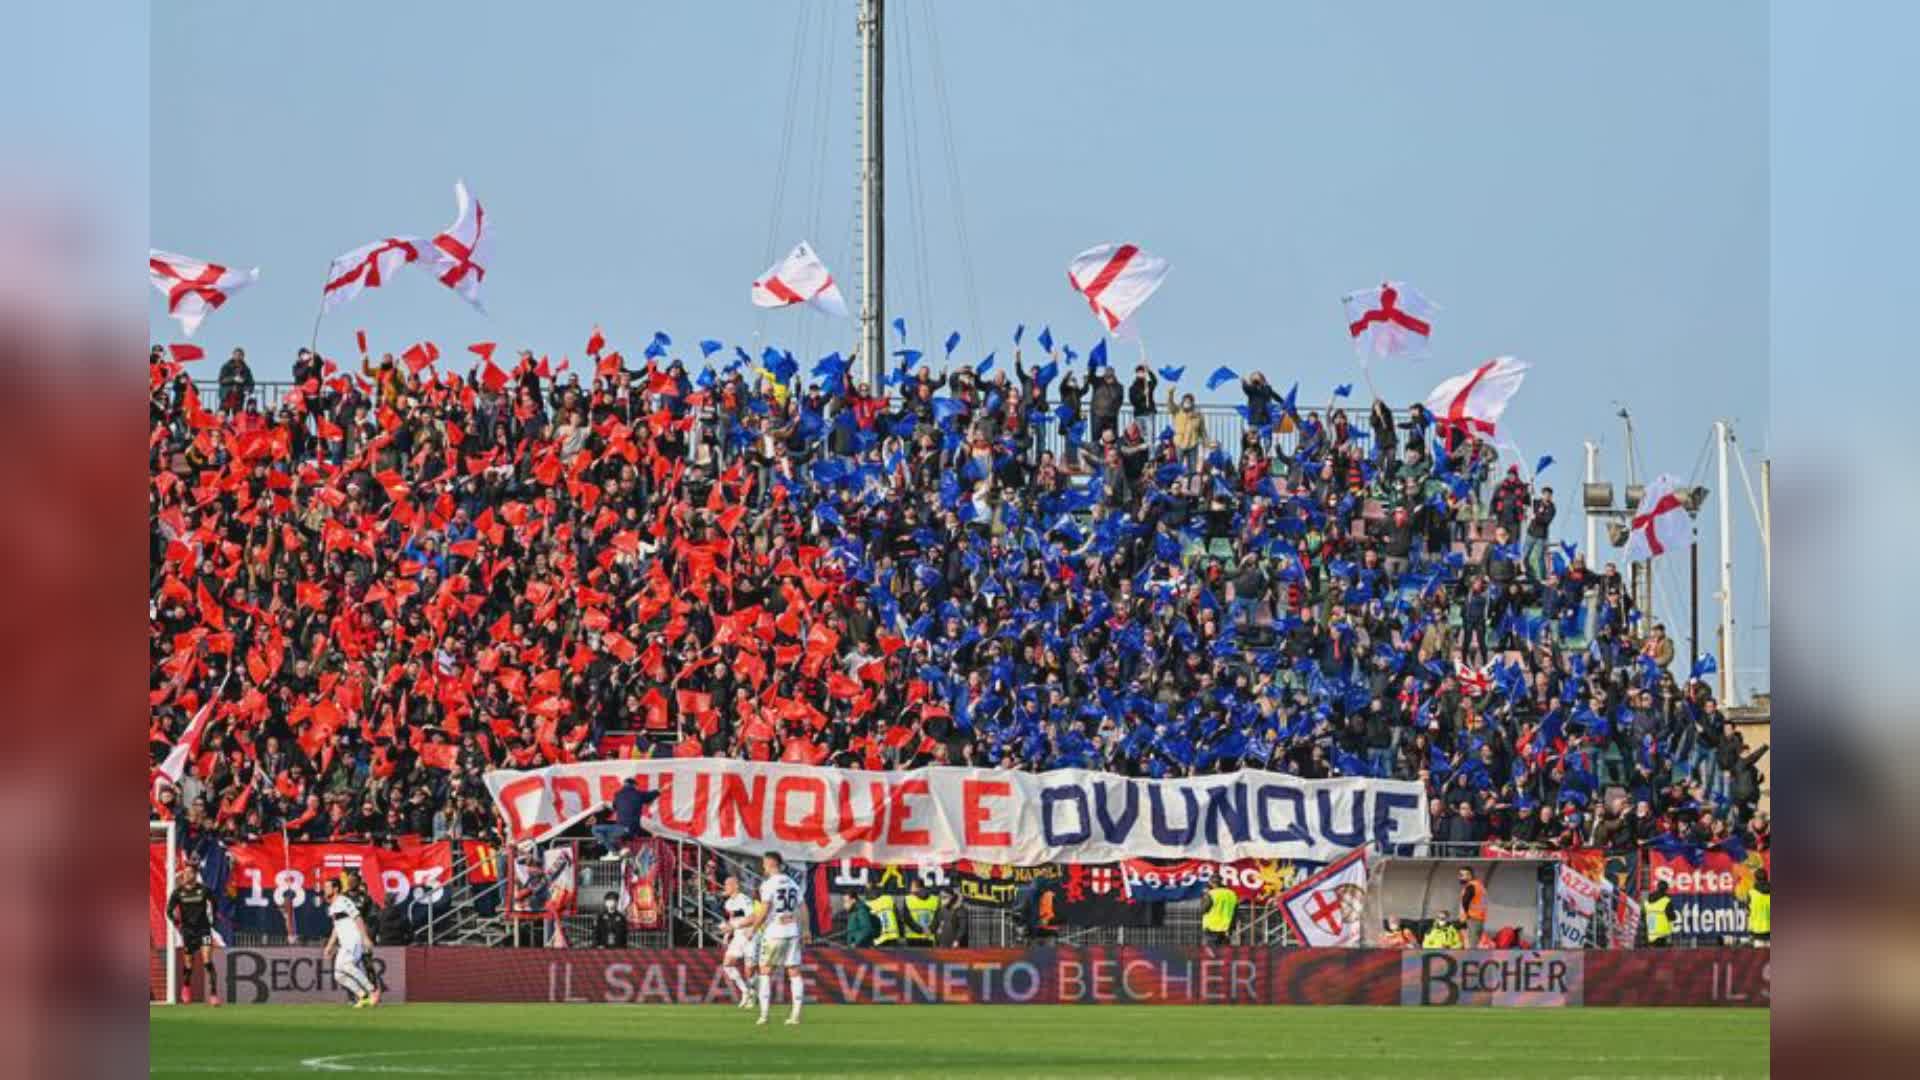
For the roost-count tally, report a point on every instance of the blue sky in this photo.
(1585, 187)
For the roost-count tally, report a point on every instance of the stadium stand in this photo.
(403, 578)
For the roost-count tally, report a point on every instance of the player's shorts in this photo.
(193, 941)
(739, 947)
(780, 952)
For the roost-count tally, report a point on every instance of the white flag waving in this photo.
(367, 267)
(800, 278)
(1116, 279)
(1393, 320)
(1329, 908)
(194, 287)
(1471, 404)
(459, 256)
(1660, 523)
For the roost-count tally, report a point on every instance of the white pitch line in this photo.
(342, 1062)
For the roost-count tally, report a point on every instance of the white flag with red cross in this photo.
(366, 267)
(1329, 908)
(187, 747)
(800, 278)
(1660, 522)
(1392, 321)
(458, 257)
(1470, 405)
(1116, 279)
(194, 287)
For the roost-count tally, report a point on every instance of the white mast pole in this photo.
(1727, 681)
(1766, 522)
(1593, 523)
(873, 341)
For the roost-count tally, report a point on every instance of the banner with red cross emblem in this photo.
(1328, 908)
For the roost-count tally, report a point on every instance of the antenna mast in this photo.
(873, 341)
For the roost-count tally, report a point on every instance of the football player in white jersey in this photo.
(349, 945)
(780, 917)
(738, 960)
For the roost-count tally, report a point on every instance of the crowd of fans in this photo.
(396, 579)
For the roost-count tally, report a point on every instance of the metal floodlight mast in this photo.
(873, 319)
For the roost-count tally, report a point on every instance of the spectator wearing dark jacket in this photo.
(236, 382)
(628, 803)
(1140, 397)
(1105, 406)
(1539, 530)
(610, 924)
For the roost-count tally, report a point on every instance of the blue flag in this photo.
(1345, 389)
(1017, 331)
(709, 346)
(1046, 338)
(1097, 355)
(984, 366)
(953, 342)
(1172, 374)
(1541, 465)
(900, 327)
(1221, 375)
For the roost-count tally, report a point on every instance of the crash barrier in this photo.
(1090, 975)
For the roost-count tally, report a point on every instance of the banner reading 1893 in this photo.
(945, 813)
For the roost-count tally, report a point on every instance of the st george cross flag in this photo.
(1474, 681)
(366, 267)
(194, 287)
(800, 278)
(459, 256)
(1393, 320)
(1660, 524)
(187, 747)
(1116, 279)
(1329, 908)
(1471, 404)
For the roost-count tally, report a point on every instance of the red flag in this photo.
(186, 354)
(420, 356)
(482, 349)
(360, 336)
(493, 378)
(596, 342)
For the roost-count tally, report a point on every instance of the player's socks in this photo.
(765, 984)
(795, 985)
(739, 985)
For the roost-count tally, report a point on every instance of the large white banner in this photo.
(1577, 897)
(946, 813)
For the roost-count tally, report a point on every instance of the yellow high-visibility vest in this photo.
(883, 910)
(1222, 903)
(1759, 912)
(921, 911)
(1659, 920)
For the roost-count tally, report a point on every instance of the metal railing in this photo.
(1223, 424)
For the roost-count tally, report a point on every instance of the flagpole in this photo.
(313, 345)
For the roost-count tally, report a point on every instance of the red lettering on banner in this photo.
(811, 829)
(695, 822)
(898, 813)
(976, 814)
(609, 787)
(509, 800)
(742, 806)
(873, 830)
(564, 786)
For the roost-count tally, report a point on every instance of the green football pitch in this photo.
(978, 1040)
